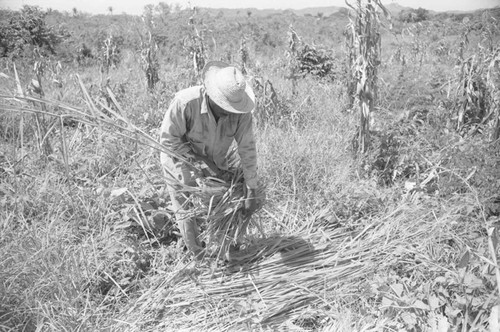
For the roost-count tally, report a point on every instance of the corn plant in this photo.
(464, 41)
(472, 93)
(243, 52)
(418, 46)
(35, 87)
(350, 80)
(109, 52)
(149, 48)
(149, 61)
(267, 101)
(294, 43)
(398, 56)
(489, 28)
(364, 49)
(195, 46)
(477, 100)
(493, 83)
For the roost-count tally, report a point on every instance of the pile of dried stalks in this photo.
(316, 269)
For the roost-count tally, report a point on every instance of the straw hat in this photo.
(227, 87)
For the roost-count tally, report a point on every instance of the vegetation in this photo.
(399, 235)
(414, 15)
(21, 32)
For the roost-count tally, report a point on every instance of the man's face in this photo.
(216, 109)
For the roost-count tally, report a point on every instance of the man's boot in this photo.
(190, 233)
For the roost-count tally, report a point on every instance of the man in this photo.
(200, 125)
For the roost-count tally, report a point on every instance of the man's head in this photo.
(227, 88)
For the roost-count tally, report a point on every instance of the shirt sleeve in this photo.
(172, 136)
(246, 149)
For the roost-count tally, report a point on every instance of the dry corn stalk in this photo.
(150, 63)
(493, 82)
(243, 55)
(364, 48)
(109, 53)
(294, 43)
(195, 45)
(41, 129)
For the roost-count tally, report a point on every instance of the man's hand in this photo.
(227, 176)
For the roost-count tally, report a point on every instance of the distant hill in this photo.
(314, 11)
(395, 8)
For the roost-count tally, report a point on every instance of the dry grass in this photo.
(313, 273)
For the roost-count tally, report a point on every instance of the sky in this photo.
(135, 7)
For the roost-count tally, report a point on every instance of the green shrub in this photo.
(414, 15)
(27, 29)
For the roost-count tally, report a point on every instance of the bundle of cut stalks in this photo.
(220, 204)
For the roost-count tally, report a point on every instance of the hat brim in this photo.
(246, 105)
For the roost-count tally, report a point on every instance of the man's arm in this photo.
(172, 136)
(246, 149)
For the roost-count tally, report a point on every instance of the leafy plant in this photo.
(414, 15)
(27, 29)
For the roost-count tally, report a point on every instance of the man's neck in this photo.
(215, 111)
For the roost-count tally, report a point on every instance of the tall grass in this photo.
(298, 160)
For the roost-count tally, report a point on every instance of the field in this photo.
(381, 167)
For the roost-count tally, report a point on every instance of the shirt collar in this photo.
(204, 102)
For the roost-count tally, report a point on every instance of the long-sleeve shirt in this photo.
(189, 128)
